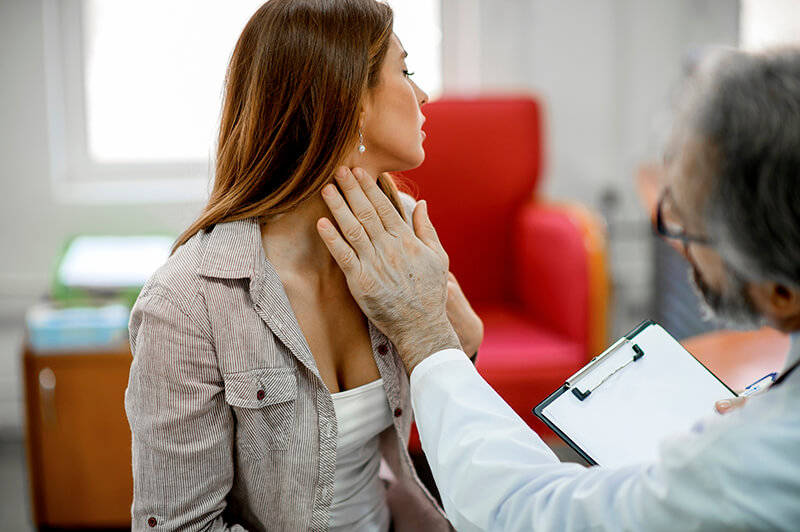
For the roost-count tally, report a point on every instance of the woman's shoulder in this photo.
(177, 280)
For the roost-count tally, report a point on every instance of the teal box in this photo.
(77, 328)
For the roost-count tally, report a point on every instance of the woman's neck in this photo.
(291, 241)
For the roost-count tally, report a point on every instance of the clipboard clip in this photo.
(638, 353)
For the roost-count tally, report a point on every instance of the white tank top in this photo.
(359, 497)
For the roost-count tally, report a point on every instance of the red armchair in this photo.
(534, 271)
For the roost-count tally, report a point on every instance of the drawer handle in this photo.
(47, 395)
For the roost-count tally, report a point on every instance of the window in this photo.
(135, 87)
(418, 25)
(766, 23)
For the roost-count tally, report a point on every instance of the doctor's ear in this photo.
(778, 302)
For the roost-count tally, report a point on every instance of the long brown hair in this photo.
(293, 93)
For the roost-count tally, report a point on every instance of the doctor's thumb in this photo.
(423, 227)
(728, 405)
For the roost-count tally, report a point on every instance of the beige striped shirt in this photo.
(233, 427)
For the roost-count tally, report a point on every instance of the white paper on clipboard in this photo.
(631, 409)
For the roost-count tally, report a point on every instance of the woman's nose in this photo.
(422, 96)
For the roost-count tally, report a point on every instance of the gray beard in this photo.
(732, 308)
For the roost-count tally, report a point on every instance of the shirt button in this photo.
(152, 522)
(398, 412)
(260, 395)
(383, 349)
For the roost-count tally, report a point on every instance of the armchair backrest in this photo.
(483, 162)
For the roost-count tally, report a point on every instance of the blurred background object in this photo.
(108, 267)
(533, 269)
(76, 358)
(77, 436)
(108, 113)
(51, 327)
(96, 280)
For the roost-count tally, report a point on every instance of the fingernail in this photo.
(324, 223)
(724, 404)
(328, 190)
(424, 205)
(342, 172)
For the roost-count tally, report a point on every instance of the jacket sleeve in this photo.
(512, 481)
(181, 425)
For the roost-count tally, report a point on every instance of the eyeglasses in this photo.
(667, 224)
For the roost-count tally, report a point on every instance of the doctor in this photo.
(733, 204)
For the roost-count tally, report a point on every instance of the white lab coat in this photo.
(740, 471)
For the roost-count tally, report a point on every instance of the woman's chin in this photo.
(410, 163)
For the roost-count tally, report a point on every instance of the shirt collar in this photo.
(234, 251)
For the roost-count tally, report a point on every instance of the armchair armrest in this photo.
(561, 270)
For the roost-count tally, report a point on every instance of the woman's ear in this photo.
(362, 116)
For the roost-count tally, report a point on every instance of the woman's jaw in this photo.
(375, 168)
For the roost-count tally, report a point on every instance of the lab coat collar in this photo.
(794, 350)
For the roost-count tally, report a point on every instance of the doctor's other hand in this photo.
(397, 276)
(466, 322)
(729, 405)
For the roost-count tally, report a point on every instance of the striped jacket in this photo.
(232, 425)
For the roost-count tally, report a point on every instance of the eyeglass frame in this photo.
(661, 229)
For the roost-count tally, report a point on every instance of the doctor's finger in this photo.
(349, 225)
(728, 405)
(390, 217)
(425, 231)
(341, 251)
(360, 205)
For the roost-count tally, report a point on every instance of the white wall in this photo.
(604, 67)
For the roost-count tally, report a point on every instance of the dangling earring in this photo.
(361, 147)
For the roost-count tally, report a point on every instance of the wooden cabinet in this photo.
(79, 442)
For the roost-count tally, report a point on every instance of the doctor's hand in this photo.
(729, 405)
(466, 322)
(397, 276)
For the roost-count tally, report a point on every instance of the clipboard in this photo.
(616, 410)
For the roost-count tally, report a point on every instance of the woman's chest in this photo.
(324, 332)
(337, 334)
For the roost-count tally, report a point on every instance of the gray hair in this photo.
(746, 113)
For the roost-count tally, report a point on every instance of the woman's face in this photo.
(392, 120)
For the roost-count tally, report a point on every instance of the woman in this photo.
(259, 395)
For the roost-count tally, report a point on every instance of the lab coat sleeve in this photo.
(495, 473)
